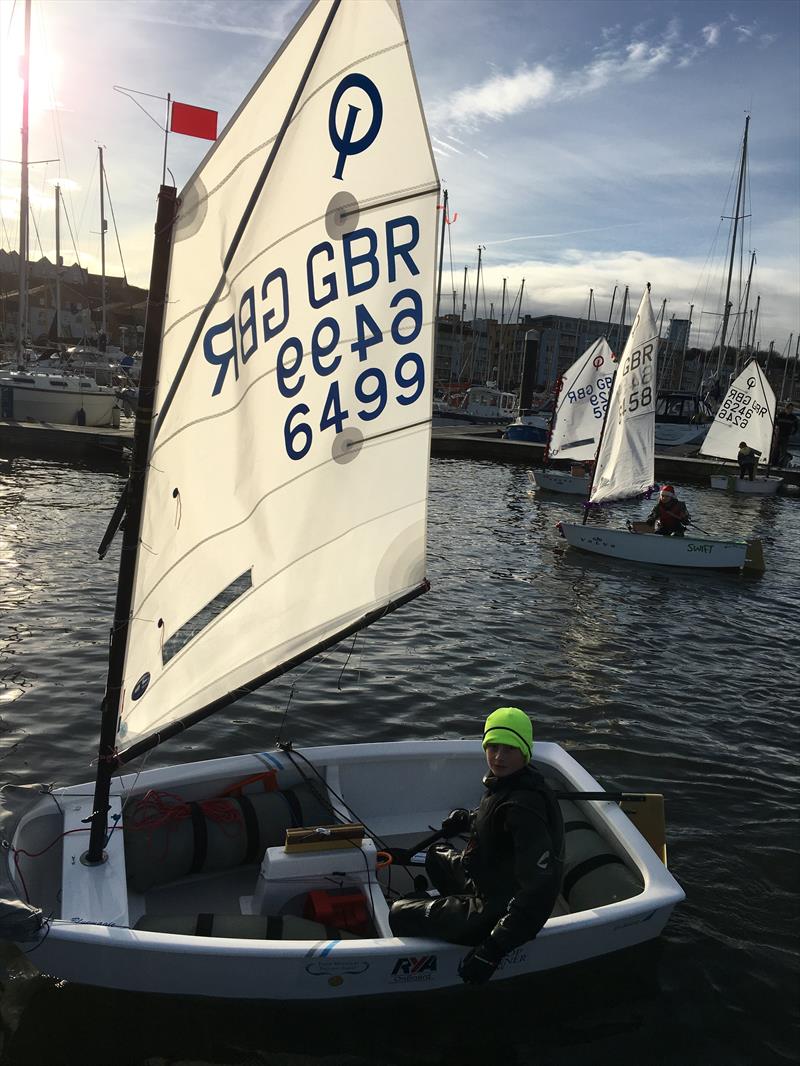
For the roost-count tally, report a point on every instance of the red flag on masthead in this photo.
(193, 121)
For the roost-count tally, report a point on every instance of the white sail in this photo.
(625, 460)
(581, 404)
(746, 414)
(286, 489)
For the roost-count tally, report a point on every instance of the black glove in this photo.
(457, 821)
(401, 856)
(477, 967)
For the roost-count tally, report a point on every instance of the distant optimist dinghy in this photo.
(625, 468)
(278, 494)
(580, 407)
(746, 414)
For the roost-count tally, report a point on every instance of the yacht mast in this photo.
(103, 225)
(744, 314)
(58, 262)
(739, 193)
(610, 313)
(22, 302)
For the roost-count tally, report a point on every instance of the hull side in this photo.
(760, 486)
(39, 405)
(369, 777)
(561, 481)
(694, 552)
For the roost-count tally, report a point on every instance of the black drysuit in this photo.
(500, 890)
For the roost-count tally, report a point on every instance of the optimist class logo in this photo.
(343, 142)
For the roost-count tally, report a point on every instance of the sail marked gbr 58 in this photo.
(285, 495)
(625, 459)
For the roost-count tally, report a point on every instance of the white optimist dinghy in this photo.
(747, 414)
(624, 468)
(279, 495)
(581, 402)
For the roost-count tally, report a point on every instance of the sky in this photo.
(584, 144)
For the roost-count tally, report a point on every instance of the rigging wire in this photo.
(89, 184)
(58, 134)
(452, 279)
(116, 231)
(38, 238)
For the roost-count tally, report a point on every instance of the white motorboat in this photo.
(480, 405)
(682, 421)
(68, 399)
(746, 415)
(275, 506)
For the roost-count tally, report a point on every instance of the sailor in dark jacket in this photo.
(669, 517)
(499, 891)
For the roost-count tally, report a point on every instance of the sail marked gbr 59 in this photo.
(285, 494)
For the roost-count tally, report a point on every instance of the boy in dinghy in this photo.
(499, 891)
(669, 517)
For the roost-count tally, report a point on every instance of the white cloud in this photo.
(445, 146)
(499, 97)
(711, 34)
(253, 19)
(502, 96)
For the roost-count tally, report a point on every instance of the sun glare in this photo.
(45, 70)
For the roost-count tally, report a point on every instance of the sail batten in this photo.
(285, 498)
(177, 725)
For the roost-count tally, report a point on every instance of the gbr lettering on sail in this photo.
(340, 331)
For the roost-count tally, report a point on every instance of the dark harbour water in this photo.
(681, 683)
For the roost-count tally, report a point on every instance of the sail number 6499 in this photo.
(368, 395)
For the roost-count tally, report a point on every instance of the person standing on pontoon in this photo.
(669, 517)
(499, 891)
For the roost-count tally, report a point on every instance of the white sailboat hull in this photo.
(759, 486)
(41, 398)
(696, 552)
(93, 939)
(561, 481)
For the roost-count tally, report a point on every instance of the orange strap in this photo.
(268, 778)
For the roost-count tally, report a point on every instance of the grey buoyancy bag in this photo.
(167, 838)
(594, 874)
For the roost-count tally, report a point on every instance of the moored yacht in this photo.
(682, 420)
(68, 399)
